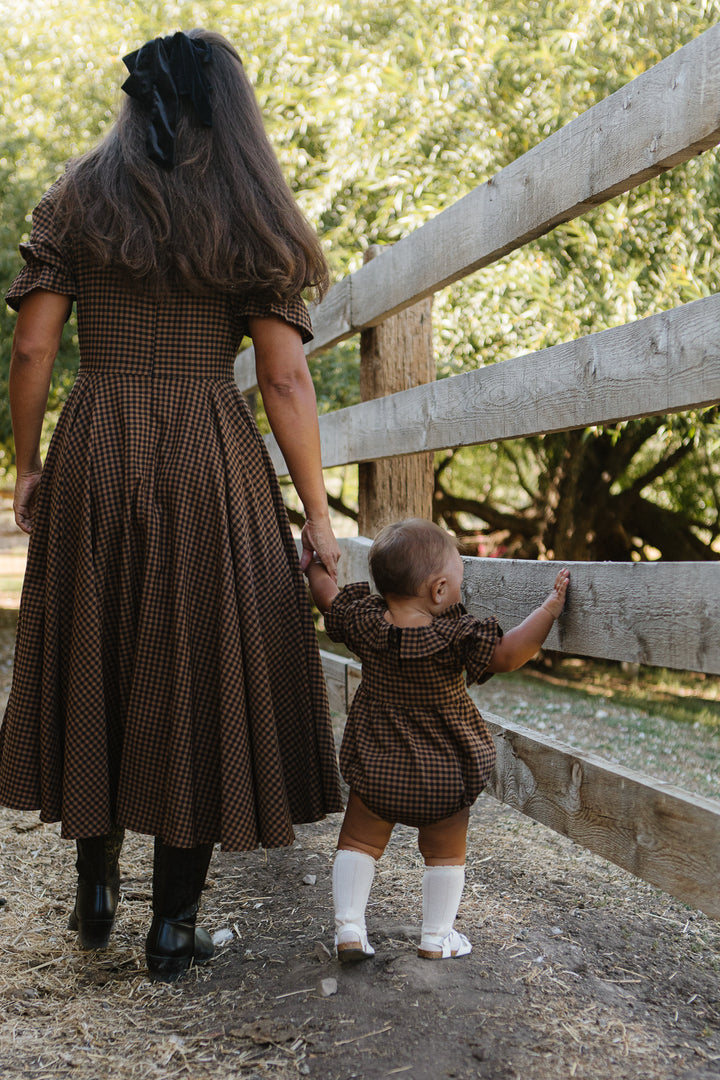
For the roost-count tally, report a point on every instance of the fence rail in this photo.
(662, 614)
(662, 364)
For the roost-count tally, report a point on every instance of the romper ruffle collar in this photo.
(449, 628)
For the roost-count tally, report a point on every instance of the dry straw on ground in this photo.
(577, 970)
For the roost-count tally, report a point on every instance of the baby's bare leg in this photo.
(362, 830)
(443, 843)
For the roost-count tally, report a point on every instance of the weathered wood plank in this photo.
(353, 565)
(658, 832)
(343, 673)
(332, 319)
(662, 364)
(335, 670)
(663, 614)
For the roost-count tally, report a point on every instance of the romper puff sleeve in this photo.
(293, 311)
(478, 648)
(352, 614)
(47, 265)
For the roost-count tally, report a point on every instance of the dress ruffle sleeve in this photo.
(293, 311)
(47, 265)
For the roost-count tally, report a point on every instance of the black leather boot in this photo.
(174, 942)
(98, 888)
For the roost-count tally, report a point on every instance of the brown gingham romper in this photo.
(167, 676)
(415, 748)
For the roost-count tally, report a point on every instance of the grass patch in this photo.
(685, 697)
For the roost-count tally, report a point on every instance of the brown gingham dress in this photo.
(167, 676)
(415, 748)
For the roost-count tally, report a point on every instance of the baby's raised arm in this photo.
(323, 588)
(521, 643)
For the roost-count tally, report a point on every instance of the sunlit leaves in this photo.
(382, 114)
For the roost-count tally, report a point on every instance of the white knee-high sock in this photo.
(442, 889)
(353, 873)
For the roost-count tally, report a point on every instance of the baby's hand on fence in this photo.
(556, 600)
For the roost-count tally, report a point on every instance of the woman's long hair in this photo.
(222, 219)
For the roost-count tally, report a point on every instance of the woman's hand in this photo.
(318, 538)
(24, 499)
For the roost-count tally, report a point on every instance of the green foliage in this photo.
(382, 115)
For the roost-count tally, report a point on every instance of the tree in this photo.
(587, 494)
(384, 114)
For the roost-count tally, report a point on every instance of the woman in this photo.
(167, 678)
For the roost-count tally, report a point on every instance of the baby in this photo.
(415, 749)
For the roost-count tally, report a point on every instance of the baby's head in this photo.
(407, 554)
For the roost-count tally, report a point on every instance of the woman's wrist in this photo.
(320, 515)
(35, 468)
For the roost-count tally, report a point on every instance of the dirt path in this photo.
(577, 970)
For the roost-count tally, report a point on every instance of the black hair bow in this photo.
(161, 72)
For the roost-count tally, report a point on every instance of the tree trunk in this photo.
(396, 355)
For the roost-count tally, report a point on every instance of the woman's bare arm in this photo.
(289, 398)
(36, 341)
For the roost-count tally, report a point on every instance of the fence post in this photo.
(395, 355)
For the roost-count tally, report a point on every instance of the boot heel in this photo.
(93, 915)
(98, 888)
(172, 945)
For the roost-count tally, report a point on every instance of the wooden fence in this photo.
(661, 613)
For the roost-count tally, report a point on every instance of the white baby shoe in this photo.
(452, 945)
(352, 944)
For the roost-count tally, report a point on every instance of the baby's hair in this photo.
(407, 553)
